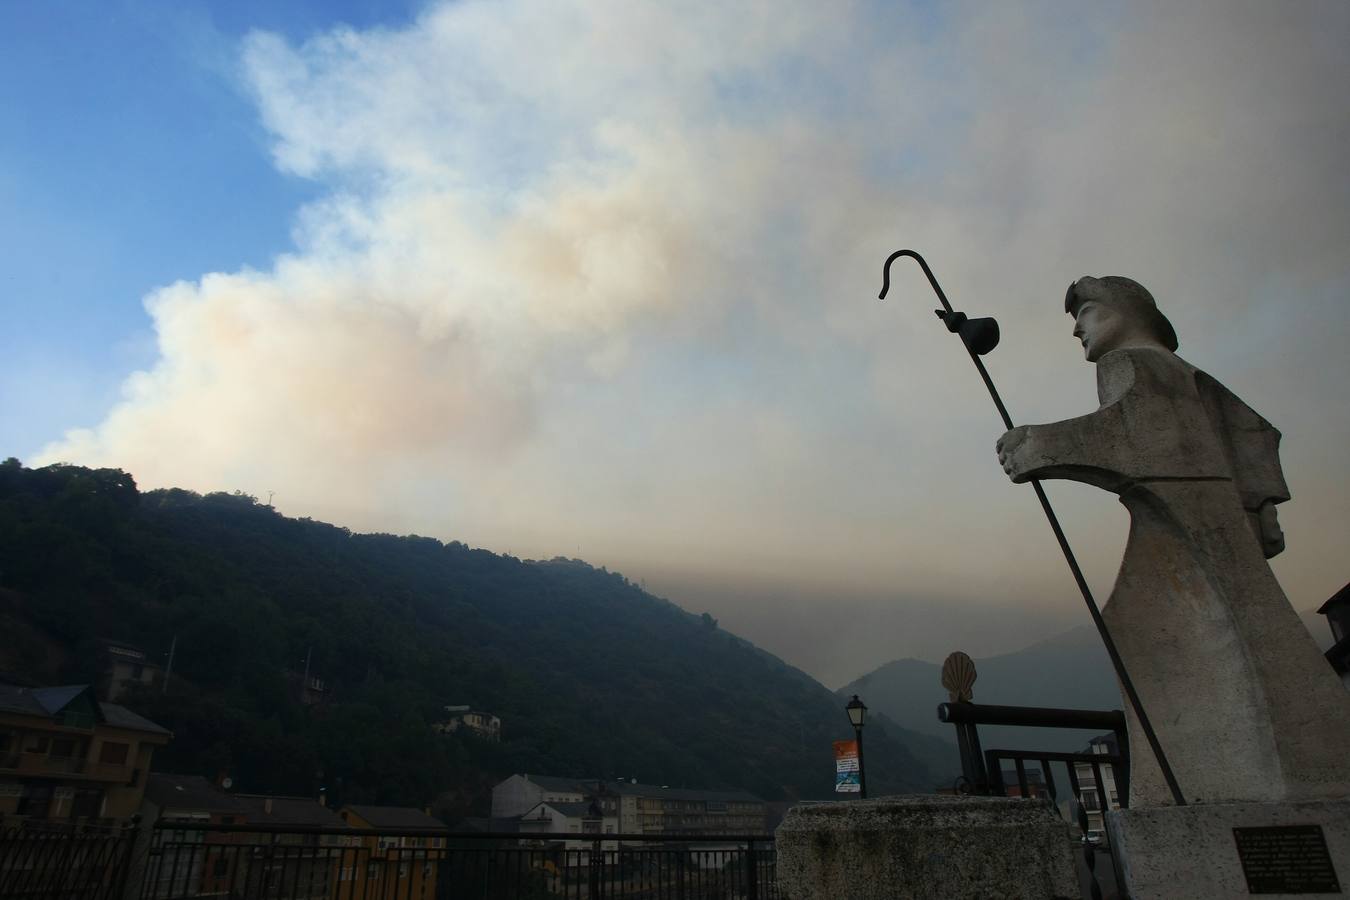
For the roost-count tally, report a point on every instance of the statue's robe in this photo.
(1244, 704)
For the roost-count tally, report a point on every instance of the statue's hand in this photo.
(1012, 455)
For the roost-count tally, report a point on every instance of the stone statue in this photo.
(1244, 705)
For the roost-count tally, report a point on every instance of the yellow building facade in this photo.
(68, 760)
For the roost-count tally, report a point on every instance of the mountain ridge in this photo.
(1070, 669)
(589, 673)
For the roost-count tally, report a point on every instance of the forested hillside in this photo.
(590, 675)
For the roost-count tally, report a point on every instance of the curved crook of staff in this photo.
(956, 322)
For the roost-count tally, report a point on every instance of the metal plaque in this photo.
(1286, 859)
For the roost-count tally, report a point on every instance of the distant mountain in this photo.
(1070, 670)
(590, 675)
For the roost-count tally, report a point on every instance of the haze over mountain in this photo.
(599, 279)
(1069, 670)
(591, 676)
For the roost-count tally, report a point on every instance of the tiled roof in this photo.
(498, 826)
(38, 701)
(668, 793)
(190, 793)
(47, 702)
(55, 699)
(400, 817)
(570, 810)
(121, 717)
(14, 698)
(587, 787)
(288, 811)
(570, 785)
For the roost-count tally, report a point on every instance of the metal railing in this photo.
(983, 773)
(47, 865)
(252, 861)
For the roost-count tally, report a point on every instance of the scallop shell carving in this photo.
(958, 677)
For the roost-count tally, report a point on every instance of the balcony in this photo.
(64, 765)
(33, 764)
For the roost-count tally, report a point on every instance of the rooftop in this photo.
(587, 786)
(189, 793)
(47, 702)
(400, 817)
(570, 810)
(265, 810)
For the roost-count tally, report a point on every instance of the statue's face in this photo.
(1102, 328)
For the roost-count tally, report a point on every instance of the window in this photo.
(402, 870)
(221, 868)
(113, 754)
(62, 748)
(372, 871)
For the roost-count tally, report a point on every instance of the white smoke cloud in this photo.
(596, 277)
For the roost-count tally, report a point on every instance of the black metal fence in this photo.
(186, 860)
(1089, 795)
(180, 860)
(51, 864)
(250, 861)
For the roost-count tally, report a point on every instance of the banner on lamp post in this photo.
(846, 767)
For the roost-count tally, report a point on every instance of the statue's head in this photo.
(1114, 312)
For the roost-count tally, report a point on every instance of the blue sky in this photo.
(598, 278)
(131, 156)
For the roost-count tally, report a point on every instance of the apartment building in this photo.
(68, 759)
(634, 808)
(393, 865)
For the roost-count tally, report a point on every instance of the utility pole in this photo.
(168, 669)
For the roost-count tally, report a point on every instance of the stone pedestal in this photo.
(1192, 851)
(914, 848)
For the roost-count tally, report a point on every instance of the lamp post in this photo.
(857, 714)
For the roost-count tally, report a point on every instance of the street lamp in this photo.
(857, 714)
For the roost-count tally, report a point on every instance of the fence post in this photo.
(751, 872)
(125, 886)
(597, 862)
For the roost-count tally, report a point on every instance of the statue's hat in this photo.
(1125, 294)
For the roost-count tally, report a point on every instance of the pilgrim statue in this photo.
(1244, 704)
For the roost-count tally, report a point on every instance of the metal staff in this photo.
(980, 336)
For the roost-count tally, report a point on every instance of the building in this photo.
(481, 724)
(393, 865)
(306, 688)
(67, 759)
(577, 825)
(193, 863)
(271, 862)
(635, 808)
(519, 794)
(125, 665)
(1036, 786)
(286, 861)
(1337, 611)
(1088, 795)
(648, 809)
